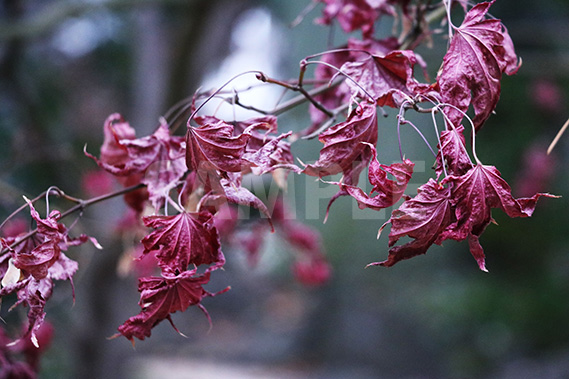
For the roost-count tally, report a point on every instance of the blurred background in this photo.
(66, 65)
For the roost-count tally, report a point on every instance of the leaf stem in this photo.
(371, 98)
(216, 92)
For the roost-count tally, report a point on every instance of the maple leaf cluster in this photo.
(205, 167)
(200, 174)
(457, 203)
(30, 266)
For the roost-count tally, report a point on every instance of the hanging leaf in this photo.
(480, 51)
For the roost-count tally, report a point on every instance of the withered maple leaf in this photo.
(161, 296)
(422, 218)
(388, 191)
(389, 78)
(183, 239)
(238, 146)
(480, 51)
(115, 129)
(342, 142)
(355, 14)
(273, 153)
(474, 194)
(458, 208)
(212, 146)
(156, 160)
(231, 191)
(452, 151)
(42, 255)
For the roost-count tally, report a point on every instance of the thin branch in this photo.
(297, 88)
(558, 136)
(329, 122)
(82, 205)
(294, 102)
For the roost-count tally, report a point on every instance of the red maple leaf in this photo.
(116, 129)
(156, 160)
(474, 194)
(37, 261)
(30, 268)
(422, 218)
(342, 142)
(267, 123)
(161, 296)
(480, 51)
(212, 146)
(42, 256)
(273, 154)
(388, 191)
(183, 239)
(389, 78)
(453, 151)
(458, 208)
(250, 146)
(231, 191)
(354, 14)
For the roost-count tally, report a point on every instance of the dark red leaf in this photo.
(342, 142)
(161, 296)
(156, 160)
(34, 296)
(273, 153)
(116, 129)
(267, 123)
(389, 78)
(37, 261)
(453, 150)
(474, 194)
(480, 51)
(213, 146)
(388, 191)
(183, 239)
(354, 14)
(422, 218)
(230, 191)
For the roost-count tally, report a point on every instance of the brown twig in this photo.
(80, 206)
